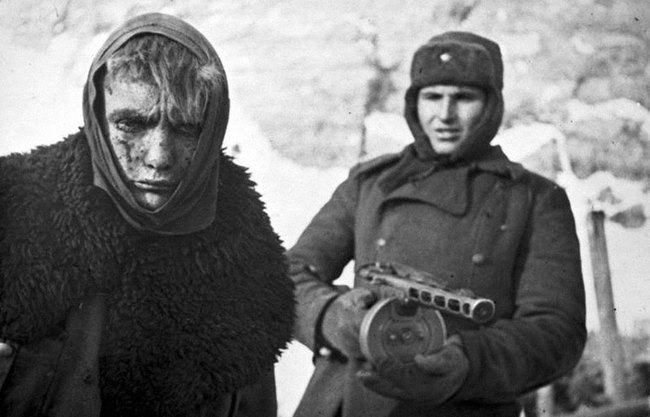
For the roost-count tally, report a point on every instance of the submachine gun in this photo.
(407, 320)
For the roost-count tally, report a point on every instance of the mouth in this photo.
(447, 134)
(155, 186)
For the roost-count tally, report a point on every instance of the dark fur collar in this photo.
(202, 313)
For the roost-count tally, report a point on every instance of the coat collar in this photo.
(448, 188)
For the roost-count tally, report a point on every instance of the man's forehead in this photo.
(449, 88)
(126, 93)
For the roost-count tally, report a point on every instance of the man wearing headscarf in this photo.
(140, 275)
(453, 206)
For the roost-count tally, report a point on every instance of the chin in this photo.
(151, 201)
(444, 149)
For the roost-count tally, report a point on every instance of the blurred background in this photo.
(317, 86)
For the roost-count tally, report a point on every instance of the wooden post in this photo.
(545, 402)
(611, 347)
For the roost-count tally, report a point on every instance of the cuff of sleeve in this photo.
(480, 384)
(319, 337)
(316, 298)
(322, 347)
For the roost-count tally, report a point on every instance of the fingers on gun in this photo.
(383, 379)
(359, 299)
(365, 298)
(440, 363)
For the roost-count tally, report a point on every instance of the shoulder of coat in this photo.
(517, 171)
(536, 188)
(534, 179)
(374, 164)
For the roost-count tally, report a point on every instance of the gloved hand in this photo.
(342, 320)
(434, 378)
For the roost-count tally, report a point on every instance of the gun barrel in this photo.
(477, 309)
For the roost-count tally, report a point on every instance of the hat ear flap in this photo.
(422, 143)
(485, 129)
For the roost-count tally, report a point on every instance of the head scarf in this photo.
(452, 58)
(192, 206)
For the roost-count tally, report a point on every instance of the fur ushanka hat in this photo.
(458, 58)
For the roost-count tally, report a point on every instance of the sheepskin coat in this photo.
(190, 319)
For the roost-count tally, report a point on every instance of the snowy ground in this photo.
(41, 102)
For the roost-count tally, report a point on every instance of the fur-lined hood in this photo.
(190, 315)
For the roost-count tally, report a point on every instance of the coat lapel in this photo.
(446, 190)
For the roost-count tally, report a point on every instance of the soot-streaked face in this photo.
(154, 154)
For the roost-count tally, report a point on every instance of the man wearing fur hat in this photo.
(452, 205)
(140, 275)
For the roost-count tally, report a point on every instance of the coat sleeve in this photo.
(318, 258)
(546, 335)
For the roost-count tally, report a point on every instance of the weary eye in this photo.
(467, 96)
(432, 96)
(131, 124)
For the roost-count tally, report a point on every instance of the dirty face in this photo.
(153, 152)
(448, 114)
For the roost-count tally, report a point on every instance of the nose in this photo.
(447, 109)
(159, 152)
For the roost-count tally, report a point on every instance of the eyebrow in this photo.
(469, 90)
(124, 113)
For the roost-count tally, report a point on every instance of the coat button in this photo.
(478, 259)
(503, 227)
(325, 352)
(381, 242)
(5, 350)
